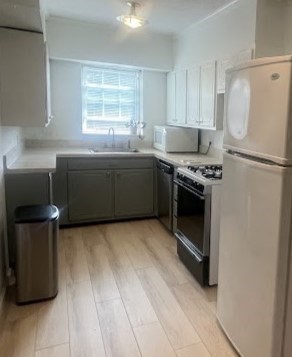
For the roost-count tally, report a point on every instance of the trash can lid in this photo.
(36, 213)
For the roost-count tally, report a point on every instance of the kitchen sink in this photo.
(113, 150)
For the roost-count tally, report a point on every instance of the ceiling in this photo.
(166, 16)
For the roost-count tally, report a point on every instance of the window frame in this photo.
(138, 104)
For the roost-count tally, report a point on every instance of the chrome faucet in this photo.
(111, 129)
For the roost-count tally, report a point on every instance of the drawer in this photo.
(105, 163)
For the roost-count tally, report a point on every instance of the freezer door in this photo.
(253, 254)
(258, 116)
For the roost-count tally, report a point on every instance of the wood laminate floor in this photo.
(122, 292)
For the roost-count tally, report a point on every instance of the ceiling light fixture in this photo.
(132, 20)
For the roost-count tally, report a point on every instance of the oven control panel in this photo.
(190, 183)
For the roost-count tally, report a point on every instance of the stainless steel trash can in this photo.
(37, 230)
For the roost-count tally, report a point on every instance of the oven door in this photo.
(193, 217)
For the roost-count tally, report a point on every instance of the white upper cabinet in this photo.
(180, 96)
(192, 99)
(207, 95)
(177, 97)
(24, 95)
(171, 98)
(223, 66)
(193, 96)
(49, 116)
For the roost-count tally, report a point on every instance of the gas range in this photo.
(200, 178)
(204, 174)
(196, 218)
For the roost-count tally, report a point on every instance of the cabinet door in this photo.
(181, 96)
(90, 195)
(223, 66)
(193, 96)
(23, 78)
(171, 98)
(49, 115)
(207, 97)
(134, 193)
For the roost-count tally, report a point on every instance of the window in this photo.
(110, 98)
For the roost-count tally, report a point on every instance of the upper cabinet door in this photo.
(49, 115)
(193, 96)
(170, 98)
(207, 97)
(181, 96)
(23, 78)
(222, 67)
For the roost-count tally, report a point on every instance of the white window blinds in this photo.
(110, 99)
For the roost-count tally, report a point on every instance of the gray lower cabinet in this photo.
(134, 192)
(103, 189)
(90, 195)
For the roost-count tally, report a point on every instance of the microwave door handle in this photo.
(188, 189)
(194, 254)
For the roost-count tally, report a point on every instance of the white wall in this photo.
(9, 137)
(66, 103)
(70, 39)
(219, 36)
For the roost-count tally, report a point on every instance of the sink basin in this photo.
(114, 150)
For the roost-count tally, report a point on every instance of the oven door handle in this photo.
(194, 254)
(188, 189)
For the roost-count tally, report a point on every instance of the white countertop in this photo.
(44, 159)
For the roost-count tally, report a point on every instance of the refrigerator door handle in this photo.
(255, 162)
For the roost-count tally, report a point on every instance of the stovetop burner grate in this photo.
(212, 172)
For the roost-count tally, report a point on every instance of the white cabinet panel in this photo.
(193, 96)
(171, 98)
(223, 66)
(49, 116)
(23, 76)
(207, 94)
(180, 96)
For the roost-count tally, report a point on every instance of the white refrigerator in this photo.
(255, 262)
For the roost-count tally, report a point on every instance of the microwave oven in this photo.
(173, 139)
